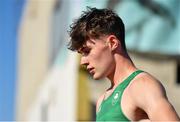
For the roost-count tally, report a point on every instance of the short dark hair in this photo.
(94, 23)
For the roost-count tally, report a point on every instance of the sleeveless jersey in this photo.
(110, 108)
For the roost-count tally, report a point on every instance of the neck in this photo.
(124, 67)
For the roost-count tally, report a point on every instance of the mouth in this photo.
(91, 71)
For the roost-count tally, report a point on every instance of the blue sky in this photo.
(10, 14)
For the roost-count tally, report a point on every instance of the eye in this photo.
(86, 51)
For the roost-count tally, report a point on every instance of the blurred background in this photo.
(41, 80)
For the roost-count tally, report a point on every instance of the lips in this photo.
(90, 70)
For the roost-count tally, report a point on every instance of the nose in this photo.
(84, 61)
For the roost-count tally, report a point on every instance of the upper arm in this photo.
(161, 109)
(152, 99)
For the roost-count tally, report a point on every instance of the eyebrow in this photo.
(81, 50)
(84, 46)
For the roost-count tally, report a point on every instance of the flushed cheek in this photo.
(101, 71)
(106, 66)
(102, 60)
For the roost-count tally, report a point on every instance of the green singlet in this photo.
(110, 109)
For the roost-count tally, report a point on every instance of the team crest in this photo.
(115, 97)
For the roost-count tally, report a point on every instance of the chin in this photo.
(97, 77)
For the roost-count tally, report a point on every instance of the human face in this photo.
(97, 56)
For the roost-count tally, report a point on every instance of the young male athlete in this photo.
(134, 95)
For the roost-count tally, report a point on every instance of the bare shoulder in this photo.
(145, 87)
(145, 84)
(149, 94)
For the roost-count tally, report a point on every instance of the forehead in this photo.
(90, 43)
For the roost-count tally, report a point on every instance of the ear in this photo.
(112, 42)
